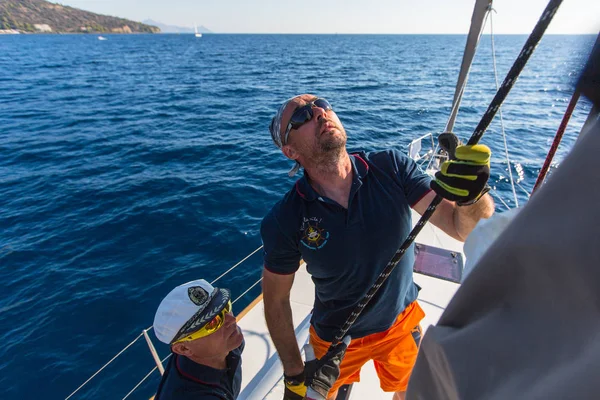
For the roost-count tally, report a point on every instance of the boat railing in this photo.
(426, 152)
(144, 334)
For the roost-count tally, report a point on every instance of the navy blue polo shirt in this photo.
(186, 380)
(345, 250)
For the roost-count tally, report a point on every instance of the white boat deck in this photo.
(261, 370)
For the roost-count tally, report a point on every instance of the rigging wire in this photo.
(232, 268)
(500, 198)
(557, 138)
(247, 290)
(144, 378)
(105, 365)
(512, 182)
(524, 190)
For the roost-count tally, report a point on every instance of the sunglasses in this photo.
(304, 114)
(211, 327)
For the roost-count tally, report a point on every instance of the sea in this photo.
(134, 164)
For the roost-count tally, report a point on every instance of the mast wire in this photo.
(512, 182)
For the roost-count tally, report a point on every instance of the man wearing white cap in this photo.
(197, 321)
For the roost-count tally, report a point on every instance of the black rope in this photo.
(515, 71)
(508, 83)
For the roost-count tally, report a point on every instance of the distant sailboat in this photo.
(196, 30)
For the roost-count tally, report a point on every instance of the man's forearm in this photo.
(466, 217)
(281, 327)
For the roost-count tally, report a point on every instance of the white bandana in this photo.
(275, 129)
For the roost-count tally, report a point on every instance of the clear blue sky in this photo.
(347, 16)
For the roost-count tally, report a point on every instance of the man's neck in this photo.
(219, 362)
(332, 179)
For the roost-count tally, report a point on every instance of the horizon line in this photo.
(365, 33)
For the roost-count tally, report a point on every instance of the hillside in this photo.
(36, 16)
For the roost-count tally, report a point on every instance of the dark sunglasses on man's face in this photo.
(303, 114)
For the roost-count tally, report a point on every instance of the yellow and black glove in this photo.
(322, 373)
(463, 179)
(295, 388)
(319, 375)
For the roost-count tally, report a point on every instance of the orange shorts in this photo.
(394, 352)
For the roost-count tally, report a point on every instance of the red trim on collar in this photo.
(361, 159)
(298, 190)
(188, 376)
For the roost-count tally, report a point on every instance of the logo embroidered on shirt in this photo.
(313, 236)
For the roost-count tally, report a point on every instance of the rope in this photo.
(515, 71)
(232, 268)
(437, 146)
(524, 190)
(105, 365)
(508, 83)
(556, 142)
(500, 198)
(144, 378)
(247, 290)
(139, 383)
(512, 182)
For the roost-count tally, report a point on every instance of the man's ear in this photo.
(289, 152)
(180, 348)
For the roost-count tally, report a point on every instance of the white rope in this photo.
(232, 268)
(144, 378)
(524, 190)
(437, 146)
(105, 365)
(512, 182)
(500, 198)
(138, 385)
(241, 295)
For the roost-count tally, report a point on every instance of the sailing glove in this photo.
(322, 373)
(318, 376)
(464, 178)
(295, 389)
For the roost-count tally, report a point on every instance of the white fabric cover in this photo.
(525, 324)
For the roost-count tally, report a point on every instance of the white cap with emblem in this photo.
(187, 308)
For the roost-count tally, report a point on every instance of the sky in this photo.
(348, 16)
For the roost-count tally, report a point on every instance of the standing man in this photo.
(345, 218)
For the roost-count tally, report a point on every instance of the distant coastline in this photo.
(40, 16)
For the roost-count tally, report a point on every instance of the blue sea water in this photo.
(131, 165)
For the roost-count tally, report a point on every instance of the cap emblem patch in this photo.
(198, 295)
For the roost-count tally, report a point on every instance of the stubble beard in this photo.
(329, 150)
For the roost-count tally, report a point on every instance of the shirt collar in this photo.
(197, 372)
(359, 167)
